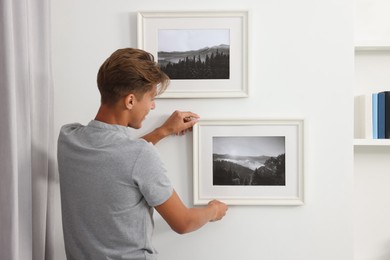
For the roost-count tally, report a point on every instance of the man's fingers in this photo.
(190, 115)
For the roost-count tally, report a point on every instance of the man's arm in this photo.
(184, 220)
(178, 123)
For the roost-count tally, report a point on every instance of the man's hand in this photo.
(178, 123)
(220, 209)
(184, 220)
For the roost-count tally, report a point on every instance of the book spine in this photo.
(381, 115)
(375, 115)
(387, 114)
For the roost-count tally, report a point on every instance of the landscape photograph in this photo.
(194, 54)
(247, 160)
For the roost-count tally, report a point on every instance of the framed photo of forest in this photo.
(249, 162)
(205, 54)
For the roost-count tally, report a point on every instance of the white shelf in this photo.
(383, 51)
(371, 142)
(362, 48)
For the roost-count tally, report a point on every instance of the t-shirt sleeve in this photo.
(149, 174)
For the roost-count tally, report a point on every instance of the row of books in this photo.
(372, 115)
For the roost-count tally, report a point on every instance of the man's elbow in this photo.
(183, 228)
(180, 231)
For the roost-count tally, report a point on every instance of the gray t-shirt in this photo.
(109, 184)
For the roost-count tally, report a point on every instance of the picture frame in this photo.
(204, 53)
(249, 162)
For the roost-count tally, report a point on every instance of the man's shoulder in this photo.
(70, 127)
(147, 149)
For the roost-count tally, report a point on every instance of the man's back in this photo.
(109, 184)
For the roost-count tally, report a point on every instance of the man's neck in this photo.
(111, 115)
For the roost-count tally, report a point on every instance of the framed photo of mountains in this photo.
(205, 54)
(249, 162)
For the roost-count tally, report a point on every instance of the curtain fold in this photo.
(26, 130)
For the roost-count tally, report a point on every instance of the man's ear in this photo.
(129, 101)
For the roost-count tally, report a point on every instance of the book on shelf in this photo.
(387, 114)
(374, 119)
(372, 116)
(381, 115)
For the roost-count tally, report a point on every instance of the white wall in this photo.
(301, 64)
(372, 22)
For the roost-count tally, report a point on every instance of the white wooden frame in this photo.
(149, 23)
(290, 194)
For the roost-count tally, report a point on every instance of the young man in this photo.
(110, 181)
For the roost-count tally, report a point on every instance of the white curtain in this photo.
(26, 131)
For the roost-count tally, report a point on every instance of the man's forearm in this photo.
(156, 135)
(183, 220)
